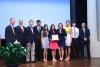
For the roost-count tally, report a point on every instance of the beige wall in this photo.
(93, 23)
(98, 18)
(93, 20)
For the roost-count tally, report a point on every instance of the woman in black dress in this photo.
(61, 42)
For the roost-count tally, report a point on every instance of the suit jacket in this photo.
(82, 35)
(29, 35)
(62, 34)
(37, 35)
(21, 35)
(9, 35)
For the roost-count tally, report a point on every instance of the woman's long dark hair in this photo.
(44, 30)
(51, 28)
(61, 24)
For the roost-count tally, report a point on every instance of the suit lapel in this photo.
(31, 30)
(12, 29)
(36, 29)
(83, 31)
(39, 30)
(21, 29)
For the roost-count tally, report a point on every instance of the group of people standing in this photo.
(39, 39)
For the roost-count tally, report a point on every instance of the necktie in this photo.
(22, 29)
(13, 30)
(74, 33)
(32, 29)
(84, 31)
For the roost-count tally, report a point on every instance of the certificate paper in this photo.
(55, 37)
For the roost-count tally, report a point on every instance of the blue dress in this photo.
(45, 41)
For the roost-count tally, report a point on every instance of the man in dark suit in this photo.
(37, 37)
(10, 32)
(84, 37)
(20, 33)
(30, 43)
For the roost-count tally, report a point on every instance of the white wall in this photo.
(92, 24)
(98, 18)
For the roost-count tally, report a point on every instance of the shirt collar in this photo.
(12, 25)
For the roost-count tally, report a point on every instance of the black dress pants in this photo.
(75, 48)
(87, 45)
(38, 51)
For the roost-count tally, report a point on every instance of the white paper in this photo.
(55, 37)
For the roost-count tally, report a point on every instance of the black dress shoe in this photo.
(89, 58)
(27, 62)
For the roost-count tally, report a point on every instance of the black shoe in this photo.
(27, 62)
(89, 58)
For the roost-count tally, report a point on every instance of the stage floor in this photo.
(71, 63)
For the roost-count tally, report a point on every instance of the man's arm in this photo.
(7, 35)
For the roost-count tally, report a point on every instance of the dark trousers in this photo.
(75, 48)
(38, 51)
(23, 43)
(24, 57)
(87, 45)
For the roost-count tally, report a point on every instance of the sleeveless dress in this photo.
(68, 38)
(45, 41)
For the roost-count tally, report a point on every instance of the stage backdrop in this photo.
(48, 11)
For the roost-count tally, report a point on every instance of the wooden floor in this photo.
(71, 63)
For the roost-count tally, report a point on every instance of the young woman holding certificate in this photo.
(61, 42)
(53, 41)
